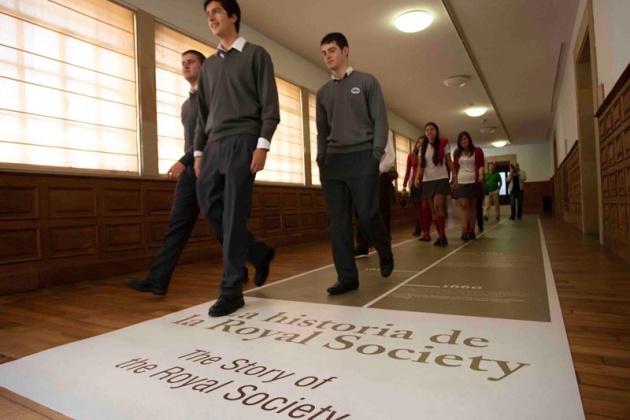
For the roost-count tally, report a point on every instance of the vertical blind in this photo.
(312, 109)
(285, 161)
(403, 148)
(171, 91)
(68, 93)
(68, 85)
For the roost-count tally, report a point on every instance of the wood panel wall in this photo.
(535, 194)
(614, 145)
(567, 189)
(57, 229)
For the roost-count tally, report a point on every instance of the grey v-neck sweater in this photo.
(237, 95)
(351, 116)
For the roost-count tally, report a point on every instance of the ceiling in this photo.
(511, 49)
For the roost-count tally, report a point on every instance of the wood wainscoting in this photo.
(614, 145)
(567, 189)
(535, 195)
(57, 229)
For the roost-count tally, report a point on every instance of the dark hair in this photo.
(231, 7)
(337, 38)
(414, 145)
(197, 54)
(471, 146)
(435, 145)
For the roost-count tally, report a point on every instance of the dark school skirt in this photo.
(438, 187)
(468, 191)
(415, 194)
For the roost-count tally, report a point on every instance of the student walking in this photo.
(436, 166)
(469, 172)
(351, 138)
(238, 114)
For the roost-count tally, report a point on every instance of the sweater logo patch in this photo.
(355, 90)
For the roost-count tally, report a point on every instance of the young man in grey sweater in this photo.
(238, 114)
(185, 209)
(351, 138)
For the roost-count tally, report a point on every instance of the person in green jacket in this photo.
(493, 181)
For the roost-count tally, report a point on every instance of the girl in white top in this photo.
(434, 171)
(469, 171)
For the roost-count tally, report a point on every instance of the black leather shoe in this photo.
(441, 242)
(473, 236)
(465, 237)
(342, 287)
(387, 266)
(361, 250)
(225, 305)
(262, 270)
(416, 232)
(145, 286)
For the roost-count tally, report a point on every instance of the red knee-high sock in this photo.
(426, 219)
(440, 221)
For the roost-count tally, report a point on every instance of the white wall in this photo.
(565, 117)
(566, 123)
(612, 35)
(189, 17)
(534, 159)
(612, 40)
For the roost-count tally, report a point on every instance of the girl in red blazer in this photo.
(423, 211)
(469, 172)
(435, 168)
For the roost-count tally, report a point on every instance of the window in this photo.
(403, 147)
(171, 91)
(68, 85)
(285, 161)
(312, 109)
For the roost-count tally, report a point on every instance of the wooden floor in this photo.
(593, 286)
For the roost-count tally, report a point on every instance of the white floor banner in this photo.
(277, 359)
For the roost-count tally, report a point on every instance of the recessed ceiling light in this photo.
(499, 143)
(415, 21)
(476, 111)
(456, 81)
(488, 129)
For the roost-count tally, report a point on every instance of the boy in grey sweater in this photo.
(351, 138)
(238, 114)
(185, 209)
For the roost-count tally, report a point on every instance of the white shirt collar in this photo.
(349, 71)
(239, 44)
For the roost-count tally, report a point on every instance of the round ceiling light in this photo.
(488, 129)
(456, 81)
(476, 111)
(415, 21)
(499, 143)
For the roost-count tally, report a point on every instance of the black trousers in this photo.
(516, 203)
(385, 207)
(224, 189)
(184, 213)
(480, 213)
(352, 179)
